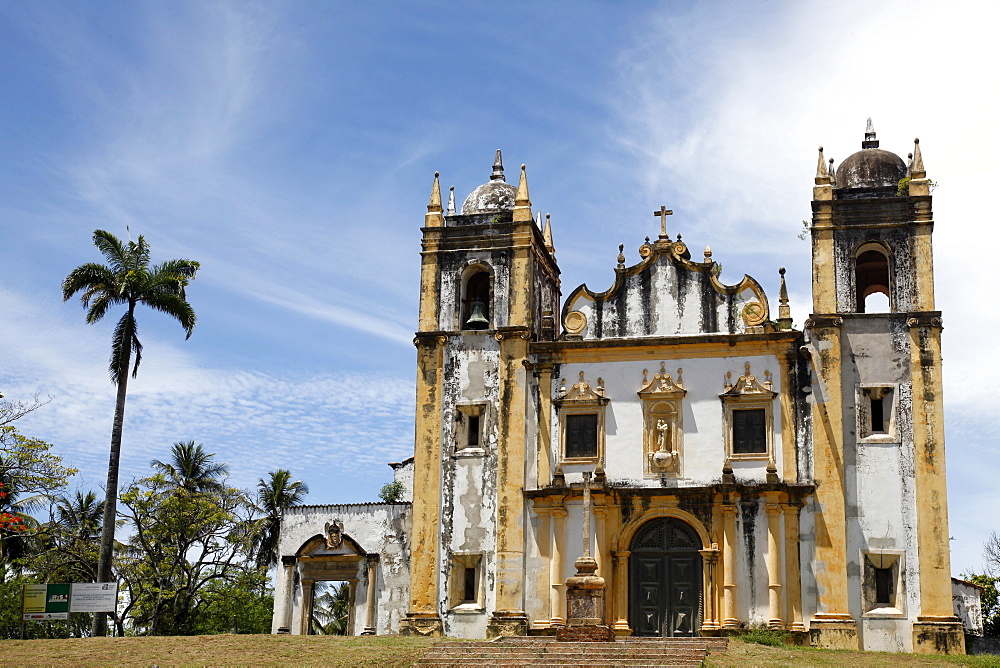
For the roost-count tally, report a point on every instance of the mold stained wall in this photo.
(379, 528)
(469, 476)
(881, 505)
(899, 242)
(663, 300)
(453, 267)
(703, 450)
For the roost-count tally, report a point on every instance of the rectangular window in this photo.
(581, 436)
(473, 432)
(749, 431)
(470, 585)
(883, 586)
(878, 415)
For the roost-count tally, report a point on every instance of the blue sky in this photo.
(290, 147)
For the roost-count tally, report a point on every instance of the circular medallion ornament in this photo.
(753, 314)
(575, 322)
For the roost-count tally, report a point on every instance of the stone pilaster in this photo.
(774, 565)
(729, 619)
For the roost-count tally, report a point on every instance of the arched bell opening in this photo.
(665, 579)
(873, 293)
(476, 311)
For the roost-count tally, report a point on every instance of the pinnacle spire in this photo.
(451, 201)
(870, 141)
(917, 170)
(784, 311)
(821, 172)
(434, 217)
(497, 174)
(547, 235)
(522, 203)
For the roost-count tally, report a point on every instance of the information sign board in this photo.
(42, 602)
(93, 597)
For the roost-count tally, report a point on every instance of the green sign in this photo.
(41, 602)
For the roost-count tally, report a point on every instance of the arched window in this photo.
(476, 301)
(871, 280)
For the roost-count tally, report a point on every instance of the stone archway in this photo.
(325, 558)
(665, 579)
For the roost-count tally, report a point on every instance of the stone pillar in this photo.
(729, 618)
(306, 607)
(937, 630)
(544, 423)
(371, 618)
(832, 627)
(774, 565)
(288, 569)
(509, 617)
(544, 514)
(601, 538)
(422, 617)
(709, 558)
(793, 573)
(621, 627)
(585, 590)
(557, 600)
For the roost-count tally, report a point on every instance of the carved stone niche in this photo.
(663, 430)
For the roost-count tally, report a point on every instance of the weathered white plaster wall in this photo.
(379, 528)
(703, 450)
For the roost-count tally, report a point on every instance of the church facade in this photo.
(739, 472)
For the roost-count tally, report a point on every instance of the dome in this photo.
(494, 195)
(871, 167)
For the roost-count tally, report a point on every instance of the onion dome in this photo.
(871, 167)
(494, 195)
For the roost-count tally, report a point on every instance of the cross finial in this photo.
(663, 213)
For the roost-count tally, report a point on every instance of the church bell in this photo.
(478, 319)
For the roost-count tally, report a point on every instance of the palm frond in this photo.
(89, 278)
(123, 342)
(112, 249)
(173, 305)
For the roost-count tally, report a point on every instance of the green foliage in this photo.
(191, 536)
(770, 637)
(803, 234)
(243, 604)
(392, 492)
(331, 609)
(274, 495)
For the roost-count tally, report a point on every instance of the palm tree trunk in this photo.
(111, 493)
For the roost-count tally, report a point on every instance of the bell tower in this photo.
(874, 340)
(489, 286)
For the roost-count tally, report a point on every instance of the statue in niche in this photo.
(665, 459)
(334, 531)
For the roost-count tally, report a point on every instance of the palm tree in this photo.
(274, 495)
(191, 468)
(331, 612)
(126, 280)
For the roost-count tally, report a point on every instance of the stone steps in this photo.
(538, 652)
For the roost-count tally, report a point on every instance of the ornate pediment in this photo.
(662, 386)
(582, 392)
(748, 386)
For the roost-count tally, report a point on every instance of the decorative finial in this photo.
(522, 203)
(870, 141)
(831, 171)
(678, 236)
(621, 256)
(547, 234)
(434, 217)
(821, 166)
(708, 253)
(497, 174)
(917, 170)
(451, 201)
(784, 310)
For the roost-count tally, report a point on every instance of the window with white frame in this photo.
(748, 416)
(581, 422)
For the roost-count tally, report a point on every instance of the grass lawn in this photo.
(377, 651)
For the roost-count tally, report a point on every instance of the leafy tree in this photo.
(71, 540)
(331, 609)
(243, 604)
(126, 280)
(274, 495)
(191, 469)
(191, 534)
(392, 492)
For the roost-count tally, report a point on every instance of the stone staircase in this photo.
(538, 651)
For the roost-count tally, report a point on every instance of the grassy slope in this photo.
(376, 651)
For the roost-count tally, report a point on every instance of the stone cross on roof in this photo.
(663, 213)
